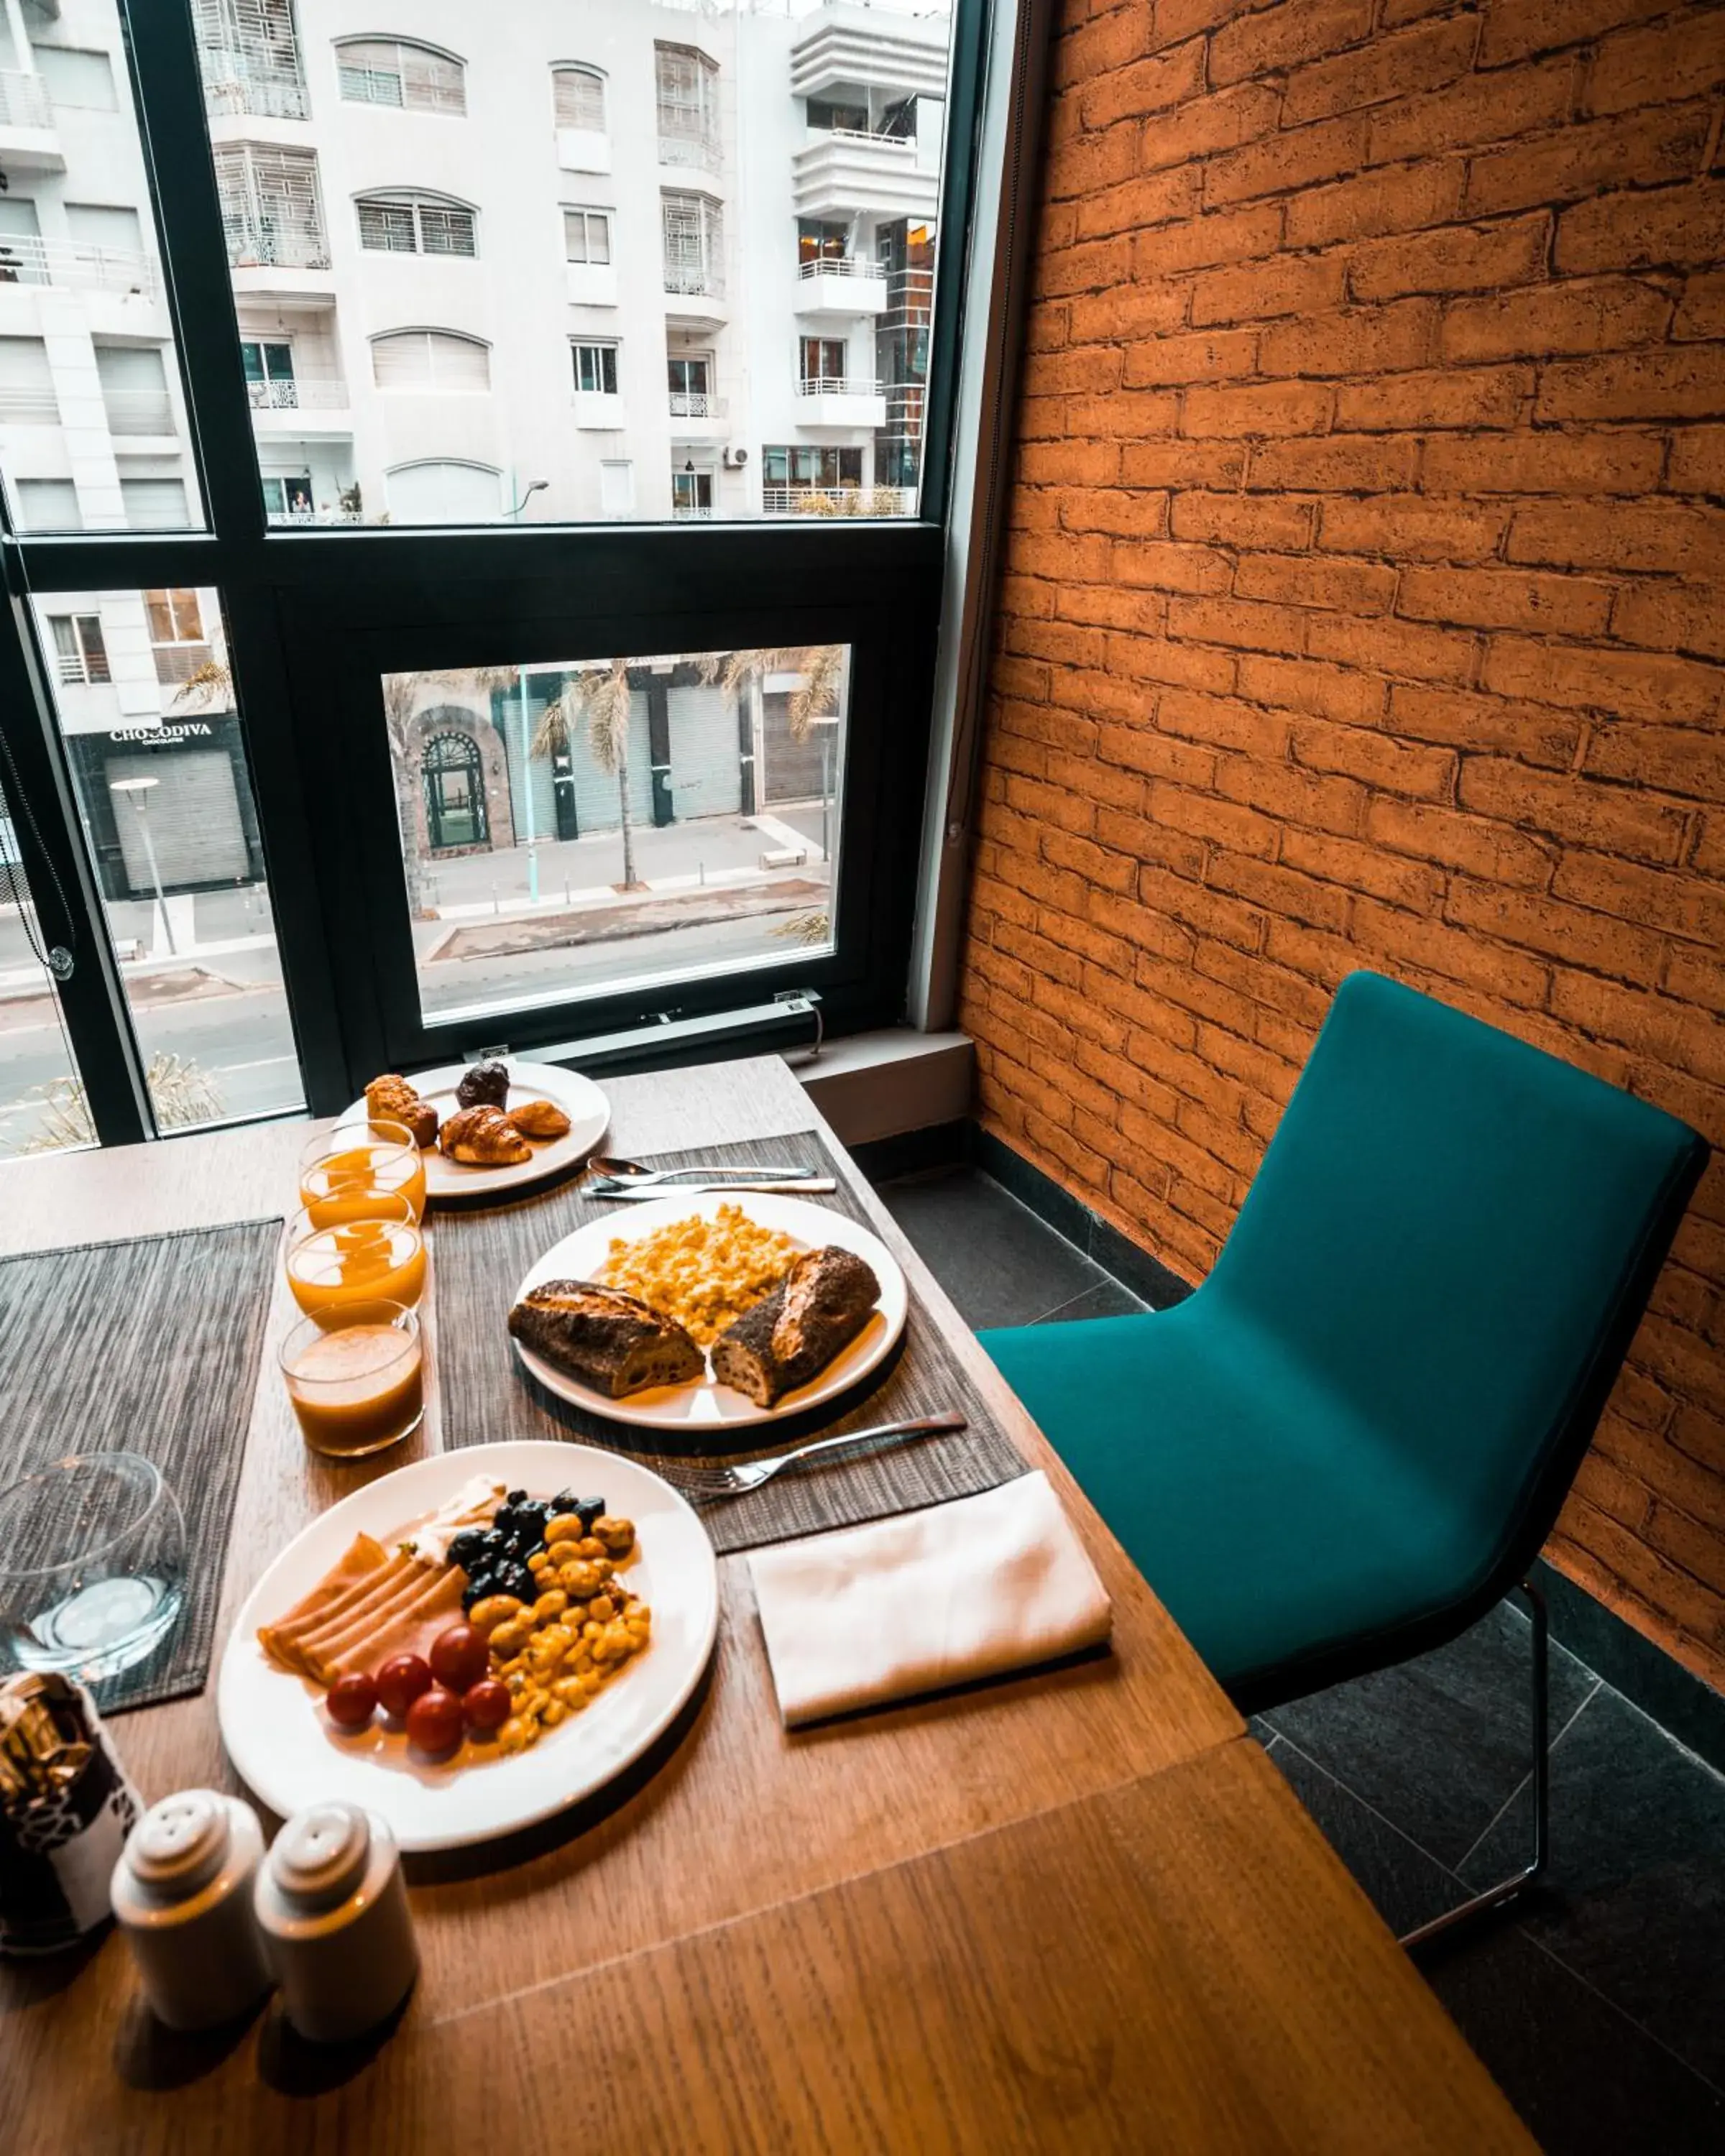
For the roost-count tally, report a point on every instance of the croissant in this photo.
(540, 1119)
(391, 1099)
(484, 1137)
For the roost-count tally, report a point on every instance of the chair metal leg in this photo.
(1506, 1890)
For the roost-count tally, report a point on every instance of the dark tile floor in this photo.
(1599, 2006)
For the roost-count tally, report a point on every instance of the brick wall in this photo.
(1364, 606)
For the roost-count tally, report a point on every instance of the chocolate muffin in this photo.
(484, 1085)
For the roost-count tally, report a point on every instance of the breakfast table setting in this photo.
(603, 1642)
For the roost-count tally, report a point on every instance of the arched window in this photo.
(579, 95)
(454, 784)
(445, 491)
(395, 72)
(430, 359)
(406, 222)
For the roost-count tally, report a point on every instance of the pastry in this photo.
(789, 1338)
(392, 1099)
(608, 1340)
(539, 1120)
(484, 1137)
(484, 1085)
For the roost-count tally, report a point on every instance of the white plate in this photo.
(700, 1405)
(581, 1101)
(290, 1753)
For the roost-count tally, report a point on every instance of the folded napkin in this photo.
(928, 1599)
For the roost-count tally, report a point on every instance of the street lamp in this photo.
(534, 486)
(136, 789)
(826, 725)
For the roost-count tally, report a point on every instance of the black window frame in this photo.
(289, 595)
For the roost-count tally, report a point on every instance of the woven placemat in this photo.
(487, 1396)
(147, 1346)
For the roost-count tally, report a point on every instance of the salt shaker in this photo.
(332, 1907)
(183, 1893)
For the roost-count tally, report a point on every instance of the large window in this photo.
(384, 691)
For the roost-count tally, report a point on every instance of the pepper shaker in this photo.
(183, 1893)
(332, 1907)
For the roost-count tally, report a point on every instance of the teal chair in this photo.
(1351, 1440)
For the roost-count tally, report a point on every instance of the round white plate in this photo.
(700, 1405)
(581, 1101)
(290, 1753)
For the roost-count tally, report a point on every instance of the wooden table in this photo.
(1076, 1911)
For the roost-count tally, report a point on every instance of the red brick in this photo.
(1672, 59)
(1412, 527)
(1093, 161)
(1127, 311)
(1202, 816)
(1155, 84)
(1289, 285)
(1334, 462)
(1505, 598)
(1633, 683)
(1672, 618)
(1156, 198)
(1143, 749)
(1575, 809)
(1071, 269)
(1549, 462)
(1205, 124)
(1701, 310)
(1182, 665)
(1697, 976)
(1473, 843)
(1295, 158)
(1666, 144)
(1228, 235)
(1367, 867)
(1447, 396)
(1111, 40)
(1402, 649)
(1239, 520)
(1356, 587)
(1126, 413)
(1166, 565)
(1281, 37)
(1698, 465)
(1255, 408)
(1532, 733)
(1681, 228)
(1378, 760)
(1568, 933)
(1603, 314)
(1403, 199)
(1317, 800)
(1680, 906)
(1088, 367)
(1515, 30)
(1235, 622)
(1198, 357)
(1110, 606)
(1676, 759)
(1224, 721)
(1686, 383)
(1302, 685)
(1360, 341)
(1383, 931)
(1183, 464)
(1457, 259)
(1069, 464)
(1421, 59)
(1478, 110)
(1129, 513)
(1146, 841)
(1671, 535)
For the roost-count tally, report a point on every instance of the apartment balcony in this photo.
(840, 400)
(838, 172)
(285, 261)
(845, 47)
(29, 140)
(70, 264)
(308, 405)
(841, 284)
(695, 295)
(238, 86)
(696, 417)
(691, 512)
(837, 501)
(690, 149)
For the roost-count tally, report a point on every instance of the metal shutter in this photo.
(430, 359)
(194, 819)
(580, 98)
(432, 83)
(154, 505)
(793, 766)
(705, 773)
(596, 805)
(27, 394)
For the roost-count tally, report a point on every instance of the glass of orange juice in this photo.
(381, 1259)
(356, 1378)
(342, 1170)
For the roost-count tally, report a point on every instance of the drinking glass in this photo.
(378, 1259)
(355, 1377)
(92, 1564)
(342, 1171)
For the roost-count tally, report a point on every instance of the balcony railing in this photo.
(700, 148)
(25, 259)
(28, 407)
(320, 516)
(839, 385)
(269, 246)
(234, 84)
(838, 501)
(327, 392)
(25, 101)
(691, 512)
(90, 671)
(139, 412)
(702, 280)
(176, 663)
(696, 405)
(842, 265)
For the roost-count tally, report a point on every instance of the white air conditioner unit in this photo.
(734, 460)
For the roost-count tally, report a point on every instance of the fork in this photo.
(706, 1486)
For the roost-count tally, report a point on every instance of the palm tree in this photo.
(821, 667)
(602, 698)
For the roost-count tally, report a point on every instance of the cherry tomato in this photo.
(400, 1683)
(352, 1701)
(459, 1657)
(487, 1704)
(434, 1721)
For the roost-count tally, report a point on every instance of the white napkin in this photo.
(928, 1599)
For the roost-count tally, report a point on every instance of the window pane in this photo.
(736, 176)
(42, 1105)
(569, 826)
(145, 703)
(90, 400)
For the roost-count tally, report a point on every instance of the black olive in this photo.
(565, 1500)
(493, 1538)
(466, 1548)
(516, 1497)
(477, 1589)
(515, 1580)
